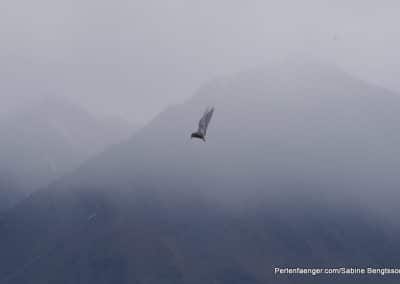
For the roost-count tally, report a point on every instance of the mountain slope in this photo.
(42, 142)
(289, 176)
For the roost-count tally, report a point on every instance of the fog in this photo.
(131, 59)
(299, 169)
(100, 181)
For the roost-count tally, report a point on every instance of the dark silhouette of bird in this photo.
(203, 124)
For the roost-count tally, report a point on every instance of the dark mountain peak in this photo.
(293, 172)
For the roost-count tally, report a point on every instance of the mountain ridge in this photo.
(49, 138)
(283, 180)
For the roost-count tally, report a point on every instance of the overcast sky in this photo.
(134, 58)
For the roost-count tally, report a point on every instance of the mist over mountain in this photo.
(42, 141)
(299, 159)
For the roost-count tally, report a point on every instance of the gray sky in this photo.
(133, 58)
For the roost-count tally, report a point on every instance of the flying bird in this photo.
(203, 124)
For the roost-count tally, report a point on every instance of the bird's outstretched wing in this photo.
(205, 120)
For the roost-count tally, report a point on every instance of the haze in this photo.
(100, 182)
(131, 59)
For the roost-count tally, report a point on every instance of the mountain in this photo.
(46, 140)
(299, 159)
